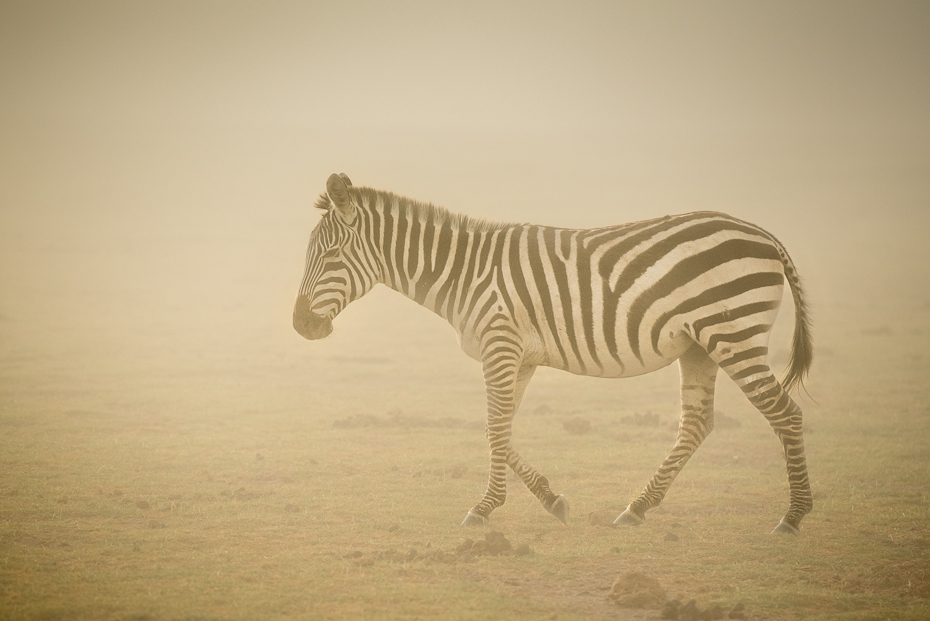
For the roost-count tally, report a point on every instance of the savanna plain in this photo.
(171, 449)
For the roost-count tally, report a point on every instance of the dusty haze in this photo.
(158, 163)
(158, 166)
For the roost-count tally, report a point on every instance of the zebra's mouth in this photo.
(311, 325)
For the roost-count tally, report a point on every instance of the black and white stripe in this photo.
(701, 288)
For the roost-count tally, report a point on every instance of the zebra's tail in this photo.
(802, 344)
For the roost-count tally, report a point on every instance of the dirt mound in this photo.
(494, 544)
(637, 590)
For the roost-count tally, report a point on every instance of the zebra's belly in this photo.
(599, 361)
(602, 362)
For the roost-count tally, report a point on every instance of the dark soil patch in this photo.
(637, 590)
(641, 420)
(577, 426)
(494, 544)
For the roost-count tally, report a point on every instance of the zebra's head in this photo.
(338, 269)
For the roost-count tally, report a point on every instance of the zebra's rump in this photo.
(627, 300)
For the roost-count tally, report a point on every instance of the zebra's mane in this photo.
(368, 198)
(323, 202)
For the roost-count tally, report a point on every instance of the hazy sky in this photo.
(710, 66)
(832, 77)
(840, 83)
(159, 159)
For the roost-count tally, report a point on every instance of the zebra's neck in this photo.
(426, 252)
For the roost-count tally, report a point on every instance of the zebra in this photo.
(702, 288)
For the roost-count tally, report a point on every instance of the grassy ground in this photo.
(171, 451)
(239, 496)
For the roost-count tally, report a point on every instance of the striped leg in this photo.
(698, 375)
(506, 382)
(557, 505)
(751, 372)
(501, 372)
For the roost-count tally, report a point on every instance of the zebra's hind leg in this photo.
(751, 373)
(698, 376)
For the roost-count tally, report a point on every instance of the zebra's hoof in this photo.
(473, 519)
(785, 529)
(560, 509)
(628, 518)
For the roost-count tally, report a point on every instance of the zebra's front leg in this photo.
(557, 505)
(698, 376)
(506, 380)
(498, 432)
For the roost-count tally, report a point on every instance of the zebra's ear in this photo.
(337, 186)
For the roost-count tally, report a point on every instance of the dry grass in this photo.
(187, 515)
(188, 470)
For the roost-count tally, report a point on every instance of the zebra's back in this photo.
(629, 299)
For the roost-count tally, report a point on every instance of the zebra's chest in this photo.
(532, 349)
(469, 344)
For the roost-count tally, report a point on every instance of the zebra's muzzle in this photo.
(311, 325)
